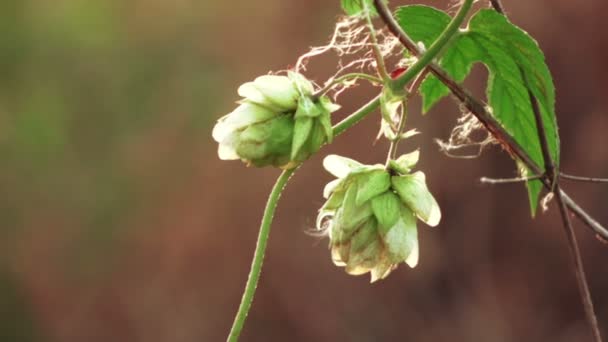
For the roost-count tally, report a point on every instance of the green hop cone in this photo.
(277, 123)
(370, 214)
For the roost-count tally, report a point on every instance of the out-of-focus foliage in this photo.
(86, 89)
(81, 83)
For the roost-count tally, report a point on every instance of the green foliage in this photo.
(17, 319)
(516, 67)
(357, 7)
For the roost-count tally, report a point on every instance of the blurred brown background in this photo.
(119, 223)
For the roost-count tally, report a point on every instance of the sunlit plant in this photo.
(371, 212)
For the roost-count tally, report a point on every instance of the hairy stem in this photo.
(380, 65)
(258, 256)
(345, 78)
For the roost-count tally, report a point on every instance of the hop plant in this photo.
(278, 122)
(371, 211)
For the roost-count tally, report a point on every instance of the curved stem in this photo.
(381, 66)
(271, 205)
(392, 150)
(357, 116)
(258, 256)
(345, 78)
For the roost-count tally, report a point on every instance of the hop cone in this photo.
(277, 123)
(371, 213)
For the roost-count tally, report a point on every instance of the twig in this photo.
(392, 150)
(487, 180)
(551, 172)
(479, 110)
(380, 65)
(581, 278)
(497, 5)
(582, 179)
(258, 256)
(342, 79)
(357, 116)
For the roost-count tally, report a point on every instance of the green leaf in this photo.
(534, 76)
(422, 23)
(357, 7)
(425, 24)
(459, 60)
(516, 65)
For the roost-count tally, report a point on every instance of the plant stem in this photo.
(258, 256)
(582, 179)
(552, 173)
(487, 180)
(417, 69)
(392, 150)
(345, 78)
(357, 116)
(375, 102)
(497, 5)
(380, 65)
(579, 268)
